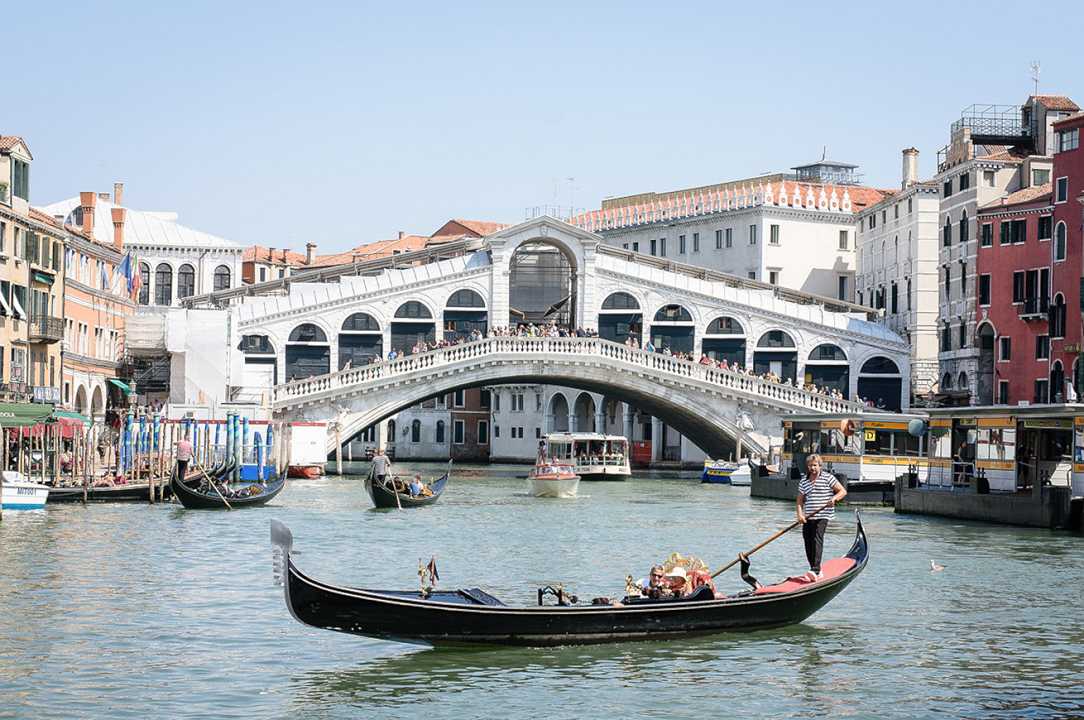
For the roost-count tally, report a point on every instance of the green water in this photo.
(135, 611)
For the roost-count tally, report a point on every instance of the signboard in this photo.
(871, 435)
(1049, 424)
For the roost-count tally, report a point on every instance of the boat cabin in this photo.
(863, 448)
(592, 455)
(1007, 449)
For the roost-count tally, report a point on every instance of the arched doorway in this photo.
(81, 400)
(673, 328)
(541, 285)
(261, 362)
(360, 340)
(985, 380)
(777, 354)
(585, 413)
(827, 367)
(308, 353)
(1057, 382)
(725, 340)
(620, 318)
(464, 312)
(880, 381)
(558, 414)
(413, 324)
(97, 405)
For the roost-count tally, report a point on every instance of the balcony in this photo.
(45, 329)
(1034, 308)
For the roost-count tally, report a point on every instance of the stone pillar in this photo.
(382, 434)
(547, 426)
(600, 420)
(573, 426)
(629, 418)
(657, 439)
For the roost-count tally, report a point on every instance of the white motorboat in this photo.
(18, 493)
(593, 456)
(552, 479)
(742, 477)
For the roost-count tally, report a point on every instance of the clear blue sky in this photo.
(282, 123)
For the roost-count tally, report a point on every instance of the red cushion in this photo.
(829, 569)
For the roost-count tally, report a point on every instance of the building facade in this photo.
(897, 268)
(993, 151)
(31, 285)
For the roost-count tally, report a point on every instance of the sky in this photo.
(342, 123)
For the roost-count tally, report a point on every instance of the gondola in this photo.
(194, 499)
(130, 492)
(472, 616)
(385, 497)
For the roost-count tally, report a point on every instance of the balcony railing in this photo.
(45, 328)
(1034, 307)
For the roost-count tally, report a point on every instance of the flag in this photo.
(125, 276)
(431, 568)
(103, 275)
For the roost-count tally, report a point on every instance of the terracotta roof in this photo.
(8, 142)
(272, 256)
(1031, 194)
(45, 218)
(472, 228)
(1055, 102)
(373, 250)
(1000, 153)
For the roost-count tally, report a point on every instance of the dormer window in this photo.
(20, 179)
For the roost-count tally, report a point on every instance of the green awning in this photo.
(23, 414)
(122, 385)
(43, 277)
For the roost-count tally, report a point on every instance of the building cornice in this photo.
(788, 212)
(1009, 210)
(109, 297)
(73, 358)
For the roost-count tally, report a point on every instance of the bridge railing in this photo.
(663, 365)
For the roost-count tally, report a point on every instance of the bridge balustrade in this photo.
(663, 365)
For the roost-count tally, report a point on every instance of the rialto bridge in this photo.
(310, 350)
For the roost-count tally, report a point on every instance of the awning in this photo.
(122, 385)
(43, 277)
(4, 305)
(69, 427)
(70, 415)
(23, 414)
(19, 312)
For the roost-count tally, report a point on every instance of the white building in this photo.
(994, 150)
(794, 233)
(897, 267)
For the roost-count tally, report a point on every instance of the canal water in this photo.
(135, 611)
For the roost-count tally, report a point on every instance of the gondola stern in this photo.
(282, 541)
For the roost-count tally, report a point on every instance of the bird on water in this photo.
(934, 567)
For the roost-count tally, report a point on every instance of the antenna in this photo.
(824, 153)
(1035, 70)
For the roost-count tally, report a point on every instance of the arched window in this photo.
(416, 431)
(963, 227)
(391, 431)
(880, 366)
(361, 322)
(828, 353)
(775, 339)
(673, 313)
(186, 281)
(620, 301)
(961, 382)
(465, 299)
(1059, 241)
(413, 309)
(307, 333)
(163, 285)
(222, 278)
(1057, 317)
(144, 284)
(440, 431)
(256, 345)
(946, 238)
(946, 382)
(725, 326)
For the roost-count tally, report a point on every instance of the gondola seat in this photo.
(481, 597)
(829, 569)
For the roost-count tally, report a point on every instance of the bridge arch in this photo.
(360, 340)
(414, 322)
(260, 364)
(673, 326)
(558, 415)
(725, 339)
(620, 318)
(827, 366)
(880, 381)
(465, 310)
(585, 412)
(308, 351)
(776, 353)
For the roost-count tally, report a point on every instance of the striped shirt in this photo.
(817, 494)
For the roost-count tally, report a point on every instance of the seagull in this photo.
(934, 567)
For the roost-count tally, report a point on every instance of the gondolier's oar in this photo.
(220, 495)
(778, 535)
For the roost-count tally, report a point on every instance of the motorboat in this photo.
(718, 472)
(549, 478)
(593, 456)
(18, 493)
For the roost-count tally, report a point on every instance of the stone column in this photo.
(547, 426)
(629, 418)
(382, 434)
(600, 420)
(656, 439)
(572, 424)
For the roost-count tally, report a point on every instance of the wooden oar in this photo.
(779, 534)
(220, 495)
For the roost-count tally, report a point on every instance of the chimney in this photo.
(270, 254)
(285, 258)
(310, 253)
(118, 193)
(401, 234)
(87, 201)
(118, 228)
(910, 167)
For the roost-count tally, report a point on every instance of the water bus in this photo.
(593, 456)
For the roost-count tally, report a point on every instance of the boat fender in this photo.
(752, 581)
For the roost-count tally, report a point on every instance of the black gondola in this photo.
(132, 492)
(194, 499)
(385, 497)
(472, 616)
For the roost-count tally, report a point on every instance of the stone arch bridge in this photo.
(716, 409)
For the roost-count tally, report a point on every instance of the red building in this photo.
(1029, 270)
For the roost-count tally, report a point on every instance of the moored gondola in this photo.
(193, 498)
(472, 616)
(384, 494)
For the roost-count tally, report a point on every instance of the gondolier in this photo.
(818, 493)
(381, 464)
(183, 455)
